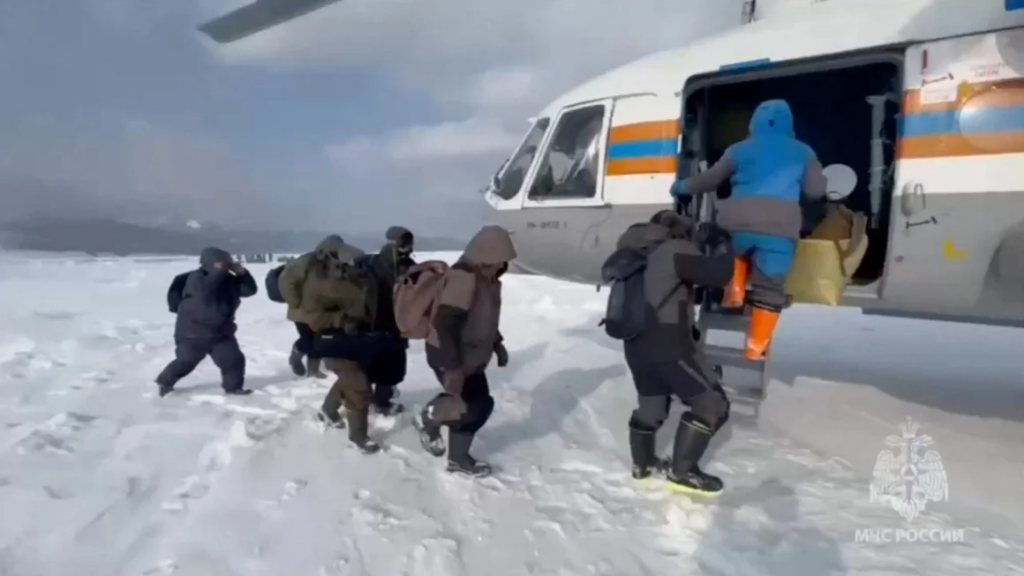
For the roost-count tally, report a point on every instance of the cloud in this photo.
(485, 67)
(136, 170)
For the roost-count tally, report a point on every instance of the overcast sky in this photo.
(365, 114)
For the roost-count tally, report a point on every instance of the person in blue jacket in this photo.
(769, 172)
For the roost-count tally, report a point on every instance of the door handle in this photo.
(913, 199)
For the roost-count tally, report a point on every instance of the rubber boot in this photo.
(295, 361)
(358, 431)
(759, 334)
(736, 292)
(331, 420)
(642, 451)
(429, 431)
(459, 460)
(313, 369)
(692, 438)
(383, 401)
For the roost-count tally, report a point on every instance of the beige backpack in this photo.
(416, 295)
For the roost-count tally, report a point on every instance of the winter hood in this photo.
(333, 248)
(328, 248)
(210, 256)
(491, 245)
(772, 118)
(399, 235)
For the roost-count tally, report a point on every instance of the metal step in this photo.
(727, 322)
(732, 358)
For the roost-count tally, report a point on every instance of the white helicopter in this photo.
(922, 99)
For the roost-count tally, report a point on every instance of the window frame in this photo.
(500, 174)
(598, 198)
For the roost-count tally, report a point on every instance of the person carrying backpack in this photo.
(458, 312)
(654, 271)
(387, 371)
(338, 302)
(290, 281)
(205, 302)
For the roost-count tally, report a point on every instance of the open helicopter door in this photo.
(710, 315)
(958, 176)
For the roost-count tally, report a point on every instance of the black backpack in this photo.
(174, 292)
(273, 292)
(625, 316)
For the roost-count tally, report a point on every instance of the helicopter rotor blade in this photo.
(256, 17)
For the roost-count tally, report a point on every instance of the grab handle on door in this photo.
(913, 199)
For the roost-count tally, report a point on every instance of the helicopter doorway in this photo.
(845, 111)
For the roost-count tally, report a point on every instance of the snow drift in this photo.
(98, 476)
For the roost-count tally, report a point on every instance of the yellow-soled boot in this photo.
(685, 476)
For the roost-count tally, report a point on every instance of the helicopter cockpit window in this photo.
(573, 158)
(510, 180)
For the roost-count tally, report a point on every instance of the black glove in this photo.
(501, 353)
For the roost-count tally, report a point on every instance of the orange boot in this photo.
(736, 291)
(759, 335)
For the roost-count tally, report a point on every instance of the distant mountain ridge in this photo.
(101, 236)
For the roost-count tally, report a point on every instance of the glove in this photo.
(501, 353)
(678, 190)
(448, 408)
(453, 381)
(237, 268)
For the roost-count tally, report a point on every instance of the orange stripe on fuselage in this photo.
(970, 97)
(998, 93)
(959, 145)
(655, 130)
(634, 166)
(980, 95)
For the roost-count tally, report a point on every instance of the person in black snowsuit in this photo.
(387, 371)
(205, 301)
(666, 358)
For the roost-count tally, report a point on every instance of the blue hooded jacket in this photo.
(769, 170)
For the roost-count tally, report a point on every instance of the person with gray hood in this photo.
(464, 337)
(205, 301)
(665, 356)
(290, 283)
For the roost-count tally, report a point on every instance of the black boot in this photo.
(692, 438)
(331, 420)
(358, 432)
(430, 432)
(383, 401)
(297, 363)
(238, 391)
(459, 460)
(642, 451)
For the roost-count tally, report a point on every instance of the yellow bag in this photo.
(817, 274)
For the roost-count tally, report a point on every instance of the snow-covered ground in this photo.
(98, 476)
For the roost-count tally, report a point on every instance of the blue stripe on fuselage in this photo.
(643, 149)
(967, 121)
